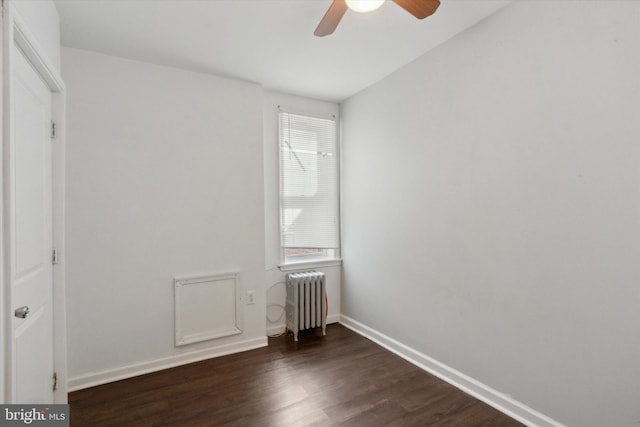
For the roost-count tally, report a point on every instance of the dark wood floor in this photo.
(341, 379)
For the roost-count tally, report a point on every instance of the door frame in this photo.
(15, 34)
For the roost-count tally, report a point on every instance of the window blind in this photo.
(309, 211)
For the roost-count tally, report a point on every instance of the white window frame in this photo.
(327, 256)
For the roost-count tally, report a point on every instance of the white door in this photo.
(30, 251)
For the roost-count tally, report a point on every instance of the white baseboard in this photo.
(110, 375)
(279, 329)
(494, 398)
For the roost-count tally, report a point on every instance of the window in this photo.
(309, 213)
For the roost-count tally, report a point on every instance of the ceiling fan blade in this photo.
(419, 8)
(331, 19)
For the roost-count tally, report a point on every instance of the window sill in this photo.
(305, 265)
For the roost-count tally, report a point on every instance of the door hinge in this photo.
(54, 256)
(54, 130)
(55, 381)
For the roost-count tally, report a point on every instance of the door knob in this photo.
(21, 312)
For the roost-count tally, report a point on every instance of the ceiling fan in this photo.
(418, 8)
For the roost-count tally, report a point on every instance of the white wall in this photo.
(42, 20)
(165, 179)
(276, 291)
(492, 207)
(3, 290)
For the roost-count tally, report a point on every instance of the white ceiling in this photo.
(270, 42)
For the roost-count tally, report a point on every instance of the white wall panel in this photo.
(164, 180)
(492, 208)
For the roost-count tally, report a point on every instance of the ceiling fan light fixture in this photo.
(364, 5)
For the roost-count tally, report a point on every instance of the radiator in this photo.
(306, 302)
